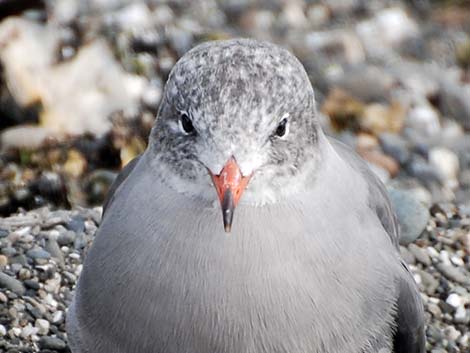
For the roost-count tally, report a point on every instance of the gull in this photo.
(243, 228)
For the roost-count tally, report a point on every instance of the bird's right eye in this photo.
(186, 124)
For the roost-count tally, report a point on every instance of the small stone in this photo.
(53, 248)
(429, 282)
(453, 273)
(452, 333)
(424, 119)
(32, 284)
(3, 297)
(3, 330)
(435, 311)
(11, 283)
(28, 331)
(58, 317)
(446, 163)
(461, 316)
(454, 299)
(412, 215)
(42, 326)
(9, 251)
(3, 261)
(49, 342)
(38, 253)
(395, 146)
(420, 254)
(68, 237)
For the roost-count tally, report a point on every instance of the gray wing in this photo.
(410, 334)
(119, 180)
(378, 196)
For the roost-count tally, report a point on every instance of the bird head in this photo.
(237, 117)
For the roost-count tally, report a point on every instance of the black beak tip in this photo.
(227, 210)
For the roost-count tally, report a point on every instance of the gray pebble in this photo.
(53, 248)
(9, 251)
(395, 146)
(429, 282)
(38, 253)
(453, 273)
(412, 215)
(48, 342)
(68, 237)
(76, 225)
(11, 283)
(420, 254)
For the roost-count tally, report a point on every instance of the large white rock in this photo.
(387, 30)
(78, 95)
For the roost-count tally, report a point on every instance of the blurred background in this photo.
(81, 82)
(80, 86)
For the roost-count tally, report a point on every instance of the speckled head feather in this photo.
(236, 93)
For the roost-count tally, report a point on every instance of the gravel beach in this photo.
(42, 251)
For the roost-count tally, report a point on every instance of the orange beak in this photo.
(229, 184)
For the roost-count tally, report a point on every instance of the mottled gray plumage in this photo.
(312, 262)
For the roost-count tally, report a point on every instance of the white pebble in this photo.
(460, 313)
(452, 333)
(417, 278)
(74, 256)
(432, 252)
(49, 300)
(447, 163)
(58, 317)
(28, 331)
(42, 326)
(457, 261)
(3, 331)
(16, 331)
(464, 340)
(454, 299)
(445, 258)
(23, 231)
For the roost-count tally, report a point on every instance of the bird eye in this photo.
(281, 129)
(186, 124)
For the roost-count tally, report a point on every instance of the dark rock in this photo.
(11, 283)
(55, 343)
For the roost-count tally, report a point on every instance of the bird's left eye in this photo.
(281, 129)
(186, 124)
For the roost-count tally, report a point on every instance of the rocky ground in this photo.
(42, 253)
(80, 85)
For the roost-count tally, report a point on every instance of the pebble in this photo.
(11, 283)
(461, 315)
(38, 253)
(395, 146)
(424, 119)
(3, 261)
(68, 237)
(453, 273)
(420, 254)
(454, 299)
(42, 326)
(49, 342)
(446, 163)
(412, 215)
